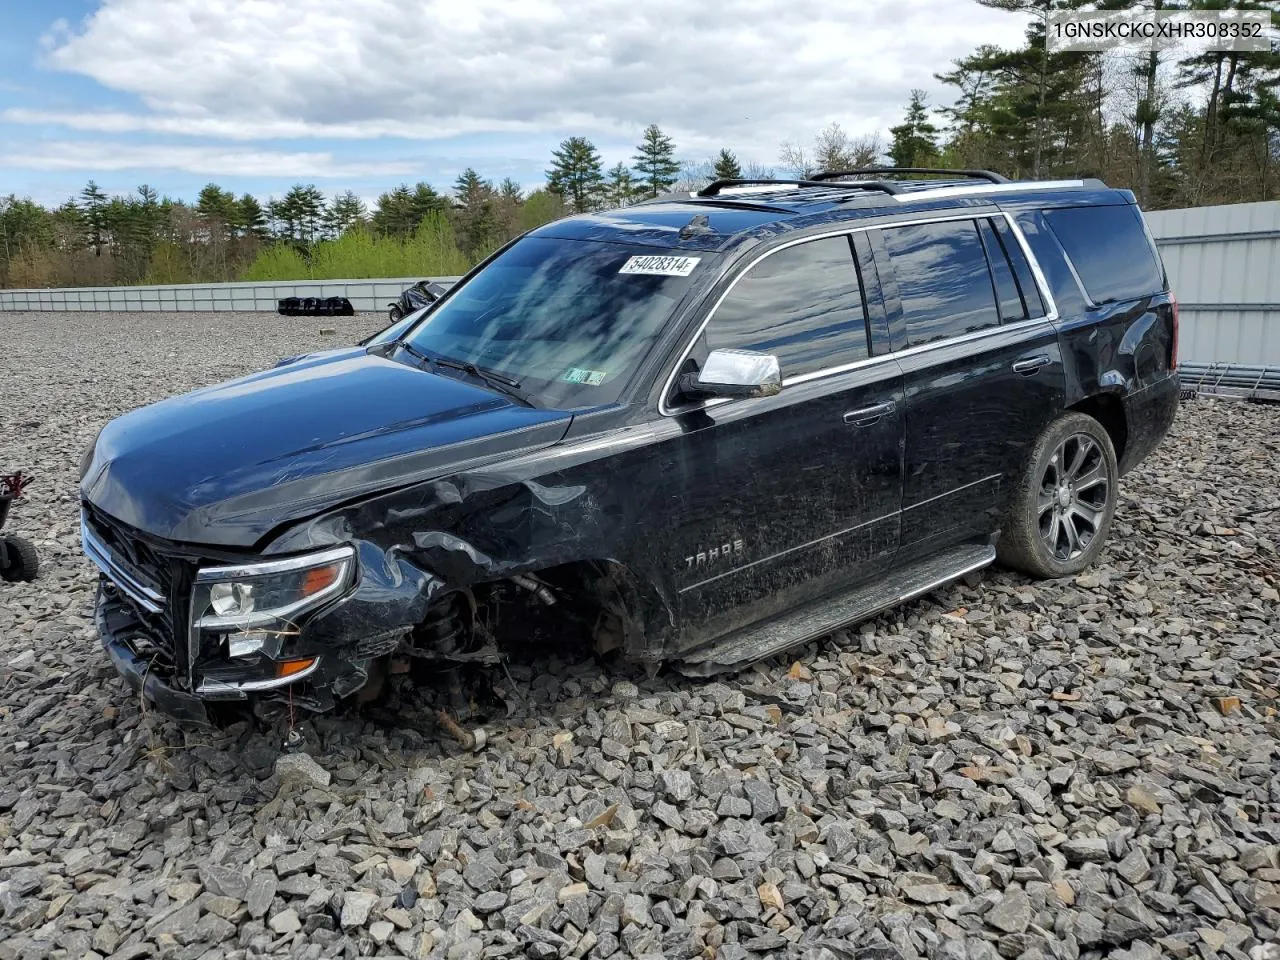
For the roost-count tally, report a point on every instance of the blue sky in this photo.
(363, 94)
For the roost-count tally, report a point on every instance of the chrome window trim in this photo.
(268, 567)
(97, 551)
(1046, 296)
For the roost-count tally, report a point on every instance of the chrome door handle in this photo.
(1032, 364)
(869, 415)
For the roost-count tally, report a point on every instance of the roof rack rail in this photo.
(988, 175)
(715, 186)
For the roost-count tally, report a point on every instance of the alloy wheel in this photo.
(1072, 500)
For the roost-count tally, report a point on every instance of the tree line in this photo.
(1178, 128)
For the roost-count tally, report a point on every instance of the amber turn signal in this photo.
(289, 668)
(319, 578)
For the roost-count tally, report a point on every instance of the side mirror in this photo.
(735, 373)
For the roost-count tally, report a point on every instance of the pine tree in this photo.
(655, 161)
(575, 174)
(727, 167)
(620, 190)
(915, 139)
(424, 202)
(474, 216)
(93, 206)
(345, 211)
(218, 209)
(394, 215)
(250, 217)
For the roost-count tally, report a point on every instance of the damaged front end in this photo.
(191, 633)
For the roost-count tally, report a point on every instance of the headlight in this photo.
(270, 594)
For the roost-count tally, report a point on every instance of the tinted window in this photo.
(1110, 251)
(569, 319)
(1021, 268)
(1008, 296)
(943, 281)
(802, 304)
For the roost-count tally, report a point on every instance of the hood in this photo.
(226, 465)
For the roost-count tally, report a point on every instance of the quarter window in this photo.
(944, 284)
(1110, 250)
(802, 304)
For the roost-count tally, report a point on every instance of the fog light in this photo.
(231, 599)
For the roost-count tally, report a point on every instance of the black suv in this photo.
(698, 430)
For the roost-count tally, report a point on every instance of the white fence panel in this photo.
(1221, 262)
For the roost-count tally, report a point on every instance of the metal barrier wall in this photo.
(1224, 268)
(365, 295)
(1221, 262)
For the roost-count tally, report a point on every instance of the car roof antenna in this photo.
(699, 226)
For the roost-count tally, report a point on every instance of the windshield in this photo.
(395, 331)
(568, 319)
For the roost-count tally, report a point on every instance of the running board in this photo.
(757, 642)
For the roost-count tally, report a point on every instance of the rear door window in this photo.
(802, 304)
(1110, 251)
(1021, 268)
(944, 284)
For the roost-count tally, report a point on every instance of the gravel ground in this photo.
(1079, 768)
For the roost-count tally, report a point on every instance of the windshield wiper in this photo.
(413, 351)
(498, 381)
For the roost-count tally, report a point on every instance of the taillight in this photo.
(1173, 353)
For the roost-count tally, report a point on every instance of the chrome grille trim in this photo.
(150, 600)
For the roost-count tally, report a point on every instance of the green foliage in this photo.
(475, 216)
(656, 161)
(541, 206)
(299, 214)
(915, 139)
(251, 218)
(576, 174)
(345, 212)
(726, 166)
(620, 189)
(360, 253)
(399, 211)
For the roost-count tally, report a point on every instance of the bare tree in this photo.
(694, 175)
(833, 149)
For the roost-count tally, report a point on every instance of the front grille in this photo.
(130, 552)
(155, 585)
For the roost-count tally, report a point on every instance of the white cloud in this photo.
(748, 74)
(77, 155)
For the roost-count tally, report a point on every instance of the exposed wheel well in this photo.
(589, 604)
(1107, 409)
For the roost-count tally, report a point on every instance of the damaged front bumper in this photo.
(186, 634)
(129, 645)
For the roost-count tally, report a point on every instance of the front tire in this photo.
(21, 561)
(1061, 510)
(394, 314)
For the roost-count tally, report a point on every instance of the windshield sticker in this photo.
(661, 266)
(578, 375)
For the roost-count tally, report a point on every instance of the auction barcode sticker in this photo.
(661, 266)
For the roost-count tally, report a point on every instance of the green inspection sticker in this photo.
(578, 375)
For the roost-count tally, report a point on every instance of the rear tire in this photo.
(394, 314)
(22, 562)
(1061, 509)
